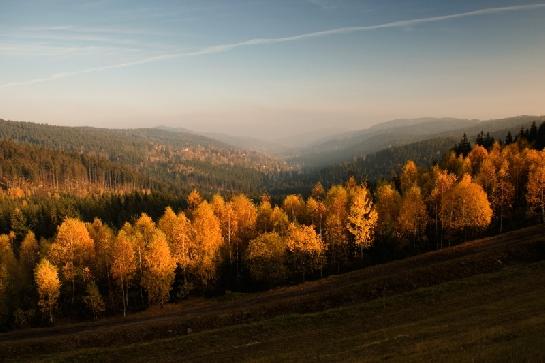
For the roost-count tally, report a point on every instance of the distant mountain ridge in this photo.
(357, 144)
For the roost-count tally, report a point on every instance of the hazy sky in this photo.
(268, 68)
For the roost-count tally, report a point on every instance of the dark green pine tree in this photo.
(532, 133)
(464, 147)
(509, 138)
(540, 138)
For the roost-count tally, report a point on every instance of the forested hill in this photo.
(387, 163)
(360, 144)
(135, 145)
(83, 158)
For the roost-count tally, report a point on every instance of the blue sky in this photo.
(268, 68)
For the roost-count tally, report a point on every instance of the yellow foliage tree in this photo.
(245, 214)
(316, 210)
(294, 205)
(266, 258)
(443, 182)
(409, 175)
(229, 223)
(466, 207)
(93, 300)
(279, 220)
(335, 223)
(179, 235)
(208, 241)
(8, 275)
(318, 191)
(476, 158)
(264, 214)
(388, 202)
(158, 269)
(194, 199)
(362, 218)
(73, 250)
(104, 239)
(413, 216)
(306, 251)
(48, 286)
(29, 252)
(123, 265)
(536, 190)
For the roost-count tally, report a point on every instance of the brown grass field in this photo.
(479, 301)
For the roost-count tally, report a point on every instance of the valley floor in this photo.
(480, 301)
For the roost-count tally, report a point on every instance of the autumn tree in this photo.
(413, 216)
(316, 210)
(158, 269)
(123, 265)
(29, 252)
(443, 182)
(179, 235)
(279, 220)
(208, 241)
(142, 233)
(409, 176)
(194, 199)
(466, 207)
(476, 158)
(335, 224)
(74, 251)
(263, 219)
(294, 205)
(306, 251)
(8, 276)
(266, 259)
(229, 224)
(48, 286)
(536, 191)
(362, 218)
(245, 214)
(495, 178)
(93, 300)
(318, 191)
(103, 236)
(387, 206)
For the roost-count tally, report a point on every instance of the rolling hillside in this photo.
(359, 144)
(407, 310)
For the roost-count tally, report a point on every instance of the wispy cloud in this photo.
(17, 49)
(221, 48)
(324, 4)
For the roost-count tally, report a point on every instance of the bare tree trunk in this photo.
(124, 302)
(73, 289)
(51, 320)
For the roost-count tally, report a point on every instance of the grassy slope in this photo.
(489, 317)
(479, 301)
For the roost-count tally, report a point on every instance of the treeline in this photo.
(27, 170)
(90, 269)
(42, 213)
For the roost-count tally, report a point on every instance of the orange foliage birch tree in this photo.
(48, 286)
(362, 218)
(123, 265)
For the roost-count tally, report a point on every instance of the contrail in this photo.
(222, 48)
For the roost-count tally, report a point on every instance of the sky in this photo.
(269, 69)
